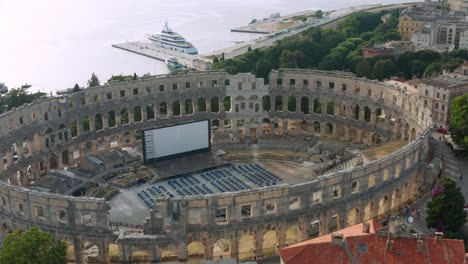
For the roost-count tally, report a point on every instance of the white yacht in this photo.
(171, 40)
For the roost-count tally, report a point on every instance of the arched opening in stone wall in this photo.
(189, 107)
(70, 251)
(124, 117)
(279, 103)
(227, 103)
(377, 139)
(379, 116)
(85, 124)
(396, 201)
(114, 253)
(305, 105)
(329, 129)
(215, 105)
(137, 117)
(98, 125)
(54, 162)
(246, 247)
(91, 252)
(385, 175)
(201, 104)
(222, 249)
(42, 168)
(163, 109)
(196, 250)
(227, 123)
(140, 256)
(270, 243)
(330, 107)
(65, 157)
(367, 114)
(413, 134)
(314, 229)
(150, 112)
(368, 211)
(266, 103)
(111, 119)
(406, 132)
(291, 104)
(371, 181)
(317, 127)
(355, 111)
(333, 223)
(293, 234)
(74, 128)
(383, 207)
(176, 108)
(353, 217)
(398, 170)
(26, 150)
(317, 106)
(214, 124)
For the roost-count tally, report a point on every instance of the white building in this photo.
(464, 40)
(422, 38)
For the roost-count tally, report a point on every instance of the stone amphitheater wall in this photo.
(57, 132)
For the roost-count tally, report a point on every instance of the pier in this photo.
(203, 62)
(149, 50)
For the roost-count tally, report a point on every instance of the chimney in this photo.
(389, 245)
(438, 235)
(337, 239)
(365, 228)
(420, 245)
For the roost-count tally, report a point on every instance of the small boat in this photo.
(173, 64)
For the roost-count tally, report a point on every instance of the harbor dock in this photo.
(279, 28)
(149, 50)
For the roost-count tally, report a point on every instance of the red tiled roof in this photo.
(370, 248)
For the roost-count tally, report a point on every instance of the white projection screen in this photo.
(168, 142)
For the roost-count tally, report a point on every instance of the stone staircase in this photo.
(347, 164)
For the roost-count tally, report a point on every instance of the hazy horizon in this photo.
(53, 44)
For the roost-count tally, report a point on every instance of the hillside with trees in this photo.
(341, 48)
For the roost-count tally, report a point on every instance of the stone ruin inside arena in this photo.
(295, 156)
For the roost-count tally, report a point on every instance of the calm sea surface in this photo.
(53, 44)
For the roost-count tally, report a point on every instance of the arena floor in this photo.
(132, 205)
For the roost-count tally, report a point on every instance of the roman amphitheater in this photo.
(304, 153)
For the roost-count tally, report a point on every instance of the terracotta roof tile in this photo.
(368, 248)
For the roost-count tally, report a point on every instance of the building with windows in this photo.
(414, 18)
(436, 94)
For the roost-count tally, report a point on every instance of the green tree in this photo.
(17, 97)
(383, 69)
(459, 119)
(135, 76)
(433, 69)
(33, 247)
(445, 210)
(363, 68)
(76, 88)
(288, 60)
(418, 67)
(263, 68)
(318, 14)
(94, 81)
(333, 61)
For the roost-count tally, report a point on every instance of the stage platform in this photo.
(185, 165)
